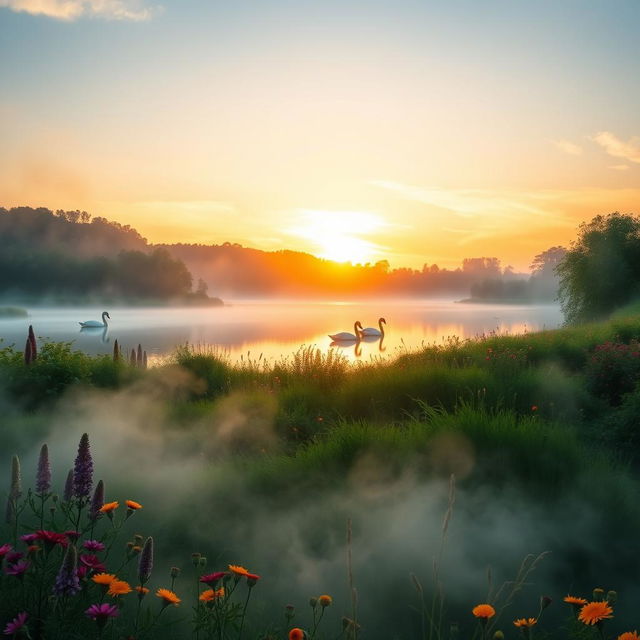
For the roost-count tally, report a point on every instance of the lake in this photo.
(271, 329)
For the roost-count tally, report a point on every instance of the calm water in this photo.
(273, 329)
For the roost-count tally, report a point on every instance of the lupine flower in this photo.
(32, 341)
(28, 355)
(237, 570)
(92, 562)
(16, 624)
(102, 612)
(118, 588)
(93, 545)
(67, 494)
(18, 569)
(4, 549)
(595, 612)
(145, 563)
(209, 595)
(83, 469)
(483, 611)
(211, 578)
(67, 582)
(325, 600)
(296, 634)
(168, 597)
(97, 501)
(15, 490)
(43, 477)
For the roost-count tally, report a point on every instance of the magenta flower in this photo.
(211, 578)
(28, 538)
(102, 612)
(82, 572)
(14, 556)
(51, 538)
(16, 624)
(4, 549)
(18, 569)
(93, 545)
(92, 562)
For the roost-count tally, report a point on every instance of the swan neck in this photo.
(381, 327)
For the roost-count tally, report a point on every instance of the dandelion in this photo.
(629, 635)
(16, 624)
(102, 612)
(296, 634)
(43, 476)
(209, 595)
(483, 611)
(145, 563)
(325, 600)
(83, 469)
(238, 571)
(103, 579)
(97, 501)
(118, 588)
(67, 582)
(595, 612)
(168, 597)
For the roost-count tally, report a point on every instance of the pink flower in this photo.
(16, 624)
(29, 537)
(4, 549)
(18, 569)
(51, 538)
(102, 612)
(93, 545)
(92, 562)
(211, 578)
(14, 556)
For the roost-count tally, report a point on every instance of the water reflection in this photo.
(97, 331)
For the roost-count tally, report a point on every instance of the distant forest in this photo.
(68, 255)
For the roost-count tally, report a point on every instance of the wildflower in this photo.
(238, 571)
(4, 549)
(175, 572)
(142, 591)
(252, 578)
(525, 622)
(83, 469)
(67, 494)
(102, 612)
(14, 556)
(72, 535)
(612, 596)
(82, 572)
(629, 635)
(598, 594)
(575, 601)
(211, 578)
(91, 562)
(32, 549)
(195, 558)
(595, 612)
(15, 490)
(118, 588)
(51, 538)
(18, 569)
(313, 602)
(93, 545)
(97, 501)
(28, 538)
(136, 549)
(145, 563)
(67, 582)
(16, 624)
(211, 594)
(545, 601)
(498, 635)
(483, 611)
(202, 562)
(325, 600)
(296, 634)
(109, 508)
(104, 579)
(134, 506)
(168, 597)
(43, 476)
(534, 408)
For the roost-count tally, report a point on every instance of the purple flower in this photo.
(92, 562)
(14, 556)
(4, 549)
(67, 494)
(18, 569)
(16, 624)
(32, 340)
(28, 538)
(97, 501)
(67, 582)
(16, 479)
(102, 612)
(43, 477)
(83, 469)
(145, 564)
(93, 545)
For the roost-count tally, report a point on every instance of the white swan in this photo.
(370, 331)
(95, 323)
(345, 335)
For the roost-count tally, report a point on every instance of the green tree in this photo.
(601, 270)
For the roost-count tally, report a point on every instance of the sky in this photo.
(413, 131)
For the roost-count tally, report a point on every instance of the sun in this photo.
(338, 235)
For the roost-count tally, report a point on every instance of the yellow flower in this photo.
(133, 505)
(211, 594)
(168, 596)
(483, 611)
(109, 507)
(103, 578)
(595, 612)
(628, 635)
(325, 601)
(525, 622)
(118, 588)
(574, 600)
(239, 571)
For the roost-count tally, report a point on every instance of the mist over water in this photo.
(274, 329)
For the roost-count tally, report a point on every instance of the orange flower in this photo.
(109, 507)
(211, 594)
(142, 591)
(325, 601)
(628, 635)
(296, 634)
(103, 578)
(574, 600)
(168, 596)
(239, 571)
(134, 506)
(483, 611)
(118, 588)
(595, 612)
(525, 622)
